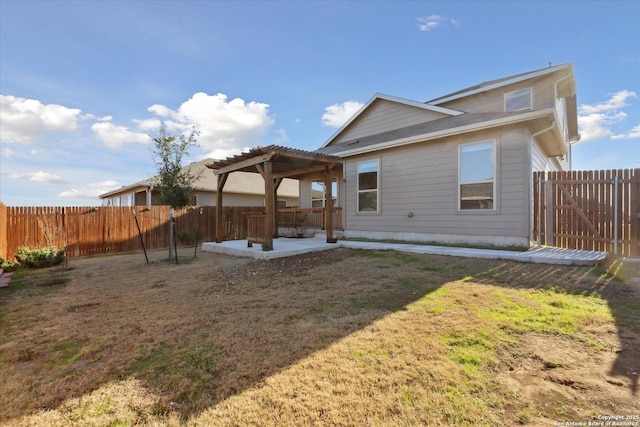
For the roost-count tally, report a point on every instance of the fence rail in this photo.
(589, 210)
(308, 218)
(106, 230)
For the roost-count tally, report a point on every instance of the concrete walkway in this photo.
(284, 247)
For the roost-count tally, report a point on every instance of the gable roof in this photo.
(449, 126)
(380, 96)
(494, 84)
(243, 183)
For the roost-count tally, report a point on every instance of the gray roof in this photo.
(432, 126)
(498, 82)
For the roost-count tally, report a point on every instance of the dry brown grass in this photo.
(342, 337)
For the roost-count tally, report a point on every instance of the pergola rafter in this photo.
(275, 163)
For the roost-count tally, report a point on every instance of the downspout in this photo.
(531, 142)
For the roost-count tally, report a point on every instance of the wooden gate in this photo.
(588, 210)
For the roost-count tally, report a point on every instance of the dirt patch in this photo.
(341, 337)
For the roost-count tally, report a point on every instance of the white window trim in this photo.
(529, 108)
(495, 178)
(377, 211)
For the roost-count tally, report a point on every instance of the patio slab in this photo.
(283, 247)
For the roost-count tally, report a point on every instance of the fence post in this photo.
(548, 207)
(4, 232)
(616, 183)
(634, 212)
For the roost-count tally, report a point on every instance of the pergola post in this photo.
(222, 180)
(276, 185)
(270, 213)
(328, 206)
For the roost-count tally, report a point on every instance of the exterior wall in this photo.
(384, 116)
(541, 163)
(493, 101)
(305, 189)
(419, 193)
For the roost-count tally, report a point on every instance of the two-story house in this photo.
(455, 169)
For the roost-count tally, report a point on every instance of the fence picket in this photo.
(105, 230)
(586, 206)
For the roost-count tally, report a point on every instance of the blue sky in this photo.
(84, 84)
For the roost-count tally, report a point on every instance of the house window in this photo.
(318, 194)
(477, 176)
(368, 185)
(518, 100)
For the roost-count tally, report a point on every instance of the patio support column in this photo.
(328, 206)
(276, 185)
(222, 180)
(269, 206)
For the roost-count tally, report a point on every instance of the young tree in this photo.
(176, 183)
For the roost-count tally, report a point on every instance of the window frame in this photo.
(376, 190)
(512, 93)
(493, 180)
(323, 199)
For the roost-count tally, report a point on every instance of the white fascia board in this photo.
(448, 132)
(503, 83)
(395, 99)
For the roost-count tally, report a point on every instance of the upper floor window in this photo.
(476, 176)
(368, 186)
(518, 100)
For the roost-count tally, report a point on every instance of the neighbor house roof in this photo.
(246, 183)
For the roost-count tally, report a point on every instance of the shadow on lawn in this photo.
(610, 281)
(198, 345)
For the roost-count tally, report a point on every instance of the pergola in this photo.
(275, 163)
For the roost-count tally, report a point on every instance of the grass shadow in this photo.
(200, 332)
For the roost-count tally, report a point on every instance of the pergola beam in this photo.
(304, 171)
(247, 163)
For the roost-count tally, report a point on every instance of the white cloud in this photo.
(24, 119)
(226, 127)
(114, 136)
(47, 177)
(597, 120)
(428, 23)
(40, 176)
(337, 114)
(7, 153)
(91, 191)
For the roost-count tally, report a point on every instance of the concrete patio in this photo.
(283, 247)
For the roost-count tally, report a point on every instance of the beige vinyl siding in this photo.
(423, 179)
(493, 101)
(383, 116)
(541, 163)
(305, 188)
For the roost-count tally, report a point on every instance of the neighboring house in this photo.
(456, 169)
(242, 189)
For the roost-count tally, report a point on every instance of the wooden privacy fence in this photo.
(589, 210)
(104, 230)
